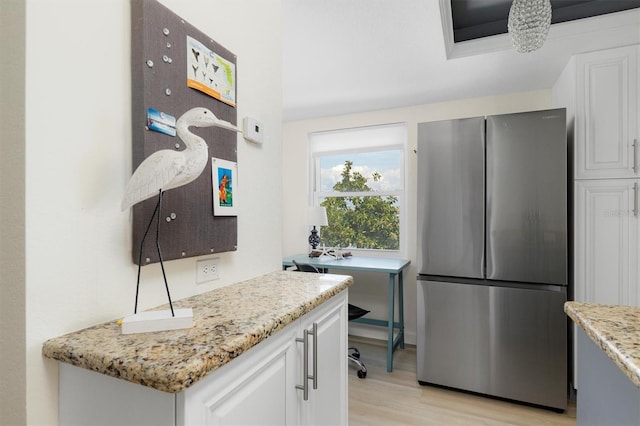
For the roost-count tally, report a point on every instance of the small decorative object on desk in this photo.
(336, 253)
(340, 254)
(315, 253)
(316, 216)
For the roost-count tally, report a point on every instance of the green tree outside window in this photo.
(363, 221)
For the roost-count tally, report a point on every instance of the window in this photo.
(358, 175)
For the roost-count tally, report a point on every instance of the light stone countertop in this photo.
(614, 329)
(227, 322)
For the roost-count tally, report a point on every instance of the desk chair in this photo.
(354, 312)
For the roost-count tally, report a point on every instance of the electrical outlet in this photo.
(207, 270)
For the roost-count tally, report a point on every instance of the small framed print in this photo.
(161, 122)
(210, 73)
(225, 187)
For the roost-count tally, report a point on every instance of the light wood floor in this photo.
(397, 398)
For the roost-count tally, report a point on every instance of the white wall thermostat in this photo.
(252, 130)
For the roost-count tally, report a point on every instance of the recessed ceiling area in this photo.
(342, 57)
(474, 19)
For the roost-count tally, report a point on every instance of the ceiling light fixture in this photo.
(529, 22)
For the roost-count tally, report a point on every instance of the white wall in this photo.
(78, 159)
(370, 290)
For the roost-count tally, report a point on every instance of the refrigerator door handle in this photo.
(635, 199)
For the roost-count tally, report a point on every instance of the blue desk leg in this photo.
(401, 309)
(392, 282)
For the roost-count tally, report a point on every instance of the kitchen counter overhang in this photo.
(614, 329)
(227, 322)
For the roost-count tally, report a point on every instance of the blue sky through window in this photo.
(387, 163)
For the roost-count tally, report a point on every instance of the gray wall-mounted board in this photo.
(160, 60)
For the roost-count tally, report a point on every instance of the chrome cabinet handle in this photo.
(315, 353)
(305, 361)
(635, 199)
(305, 365)
(635, 156)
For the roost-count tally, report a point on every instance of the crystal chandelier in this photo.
(529, 22)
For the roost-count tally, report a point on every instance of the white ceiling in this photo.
(346, 56)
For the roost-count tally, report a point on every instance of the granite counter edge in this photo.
(602, 342)
(197, 368)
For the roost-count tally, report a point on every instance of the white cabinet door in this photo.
(607, 114)
(260, 386)
(606, 241)
(606, 252)
(328, 404)
(253, 389)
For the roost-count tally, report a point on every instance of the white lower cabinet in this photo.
(607, 232)
(251, 389)
(606, 240)
(327, 404)
(260, 387)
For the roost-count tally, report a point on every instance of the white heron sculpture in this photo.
(168, 169)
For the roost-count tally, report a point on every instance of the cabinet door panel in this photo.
(606, 246)
(606, 113)
(327, 405)
(260, 402)
(606, 242)
(253, 389)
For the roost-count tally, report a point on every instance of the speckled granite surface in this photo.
(227, 322)
(615, 329)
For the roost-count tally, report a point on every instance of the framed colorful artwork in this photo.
(225, 187)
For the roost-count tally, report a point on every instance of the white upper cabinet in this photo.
(606, 122)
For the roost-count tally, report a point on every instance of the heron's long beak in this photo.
(226, 125)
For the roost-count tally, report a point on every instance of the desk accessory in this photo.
(316, 216)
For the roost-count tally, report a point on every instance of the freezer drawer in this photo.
(500, 341)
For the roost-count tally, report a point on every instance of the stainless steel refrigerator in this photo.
(492, 256)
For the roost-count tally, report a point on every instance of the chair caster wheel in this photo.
(362, 374)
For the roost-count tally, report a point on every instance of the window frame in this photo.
(316, 195)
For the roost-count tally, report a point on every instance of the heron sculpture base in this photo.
(149, 321)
